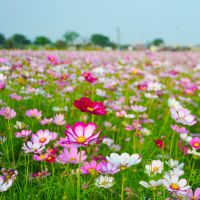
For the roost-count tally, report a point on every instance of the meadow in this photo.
(99, 125)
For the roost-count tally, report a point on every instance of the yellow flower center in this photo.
(122, 167)
(174, 186)
(42, 156)
(155, 169)
(196, 144)
(92, 171)
(42, 140)
(81, 139)
(72, 159)
(90, 109)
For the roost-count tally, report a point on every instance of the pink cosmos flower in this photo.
(195, 195)
(15, 97)
(92, 168)
(23, 133)
(7, 113)
(64, 142)
(2, 85)
(195, 143)
(109, 168)
(59, 120)
(71, 155)
(179, 129)
(137, 108)
(53, 59)
(46, 121)
(183, 116)
(40, 157)
(42, 137)
(86, 105)
(34, 113)
(121, 113)
(42, 174)
(82, 134)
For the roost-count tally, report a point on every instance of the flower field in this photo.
(99, 125)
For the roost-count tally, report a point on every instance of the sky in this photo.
(139, 21)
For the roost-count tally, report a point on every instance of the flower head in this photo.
(86, 105)
(124, 160)
(82, 134)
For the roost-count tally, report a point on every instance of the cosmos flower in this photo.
(82, 134)
(86, 105)
(109, 168)
(179, 129)
(5, 184)
(31, 147)
(174, 164)
(46, 121)
(34, 113)
(124, 160)
(183, 116)
(195, 143)
(41, 174)
(71, 155)
(7, 113)
(104, 181)
(154, 168)
(59, 120)
(89, 78)
(151, 184)
(195, 195)
(42, 137)
(23, 133)
(92, 167)
(175, 185)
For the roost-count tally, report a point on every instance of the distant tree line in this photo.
(70, 38)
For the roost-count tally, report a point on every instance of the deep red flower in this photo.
(159, 143)
(50, 159)
(86, 105)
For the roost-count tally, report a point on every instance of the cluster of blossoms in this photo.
(172, 181)
(179, 114)
(184, 117)
(133, 96)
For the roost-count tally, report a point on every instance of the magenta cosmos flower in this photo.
(92, 168)
(86, 105)
(195, 143)
(71, 155)
(82, 134)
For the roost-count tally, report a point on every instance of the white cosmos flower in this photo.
(104, 181)
(174, 164)
(2, 77)
(108, 141)
(30, 147)
(154, 168)
(4, 185)
(176, 171)
(124, 160)
(151, 184)
(175, 185)
(173, 103)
